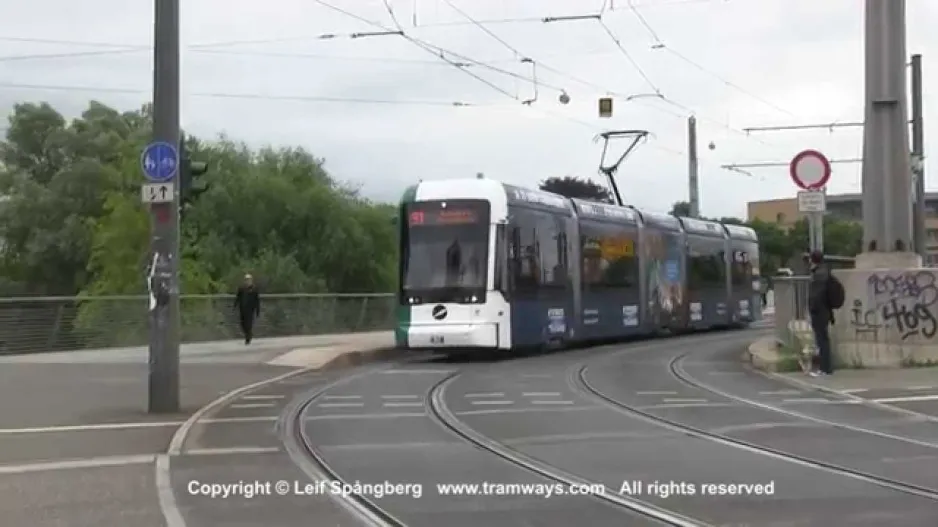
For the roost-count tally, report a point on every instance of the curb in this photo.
(804, 385)
(351, 359)
(757, 360)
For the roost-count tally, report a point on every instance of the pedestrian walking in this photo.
(825, 294)
(248, 303)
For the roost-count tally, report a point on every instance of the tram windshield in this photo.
(445, 251)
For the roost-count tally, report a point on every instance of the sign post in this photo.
(811, 171)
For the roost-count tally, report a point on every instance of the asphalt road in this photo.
(377, 428)
(77, 447)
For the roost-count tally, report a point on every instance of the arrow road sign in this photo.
(159, 161)
(810, 170)
(158, 193)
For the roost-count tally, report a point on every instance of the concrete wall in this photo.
(889, 317)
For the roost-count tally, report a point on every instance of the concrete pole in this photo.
(887, 186)
(163, 392)
(693, 167)
(918, 154)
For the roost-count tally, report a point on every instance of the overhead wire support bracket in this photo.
(610, 170)
(527, 60)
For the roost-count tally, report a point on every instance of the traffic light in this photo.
(189, 170)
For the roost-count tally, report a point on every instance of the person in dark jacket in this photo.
(821, 312)
(248, 303)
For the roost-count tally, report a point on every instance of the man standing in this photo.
(248, 303)
(825, 294)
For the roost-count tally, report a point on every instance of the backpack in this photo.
(835, 293)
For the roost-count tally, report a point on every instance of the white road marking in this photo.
(482, 395)
(684, 400)
(262, 397)
(528, 410)
(809, 400)
(541, 394)
(553, 402)
(394, 372)
(95, 462)
(491, 402)
(400, 397)
(656, 393)
(920, 388)
(362, 416)
(854, 390)
(121, 461)
(128, 426)
(253, 405)
(687, 405)
(781, 392)
(340, 405)
(231, 450)
(387, 446)
(341, 397)
(910, 399)
(537, 376)
(403, 405)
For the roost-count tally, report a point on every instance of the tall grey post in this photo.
(164, 273)
(693, 166)
(887, 186)
(918, 154)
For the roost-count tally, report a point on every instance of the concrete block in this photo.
(763, 354)
(890, 315)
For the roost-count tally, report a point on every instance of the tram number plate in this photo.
(436, 339)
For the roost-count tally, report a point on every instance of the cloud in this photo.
(764, 62)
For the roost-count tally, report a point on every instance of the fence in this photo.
(791, 304)
(29, 325)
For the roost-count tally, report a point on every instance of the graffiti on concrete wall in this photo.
(903, 301)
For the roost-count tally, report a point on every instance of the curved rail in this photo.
(302, 450)
(581, 382)
(445, 417)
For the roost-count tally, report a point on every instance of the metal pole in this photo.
(812, 232)
(887, 186)
(164, 317)
(918, 152)
(693, 167)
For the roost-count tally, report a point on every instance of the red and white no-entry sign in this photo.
(810, 170)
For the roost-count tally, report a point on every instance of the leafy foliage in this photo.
(573, 187)
(72, 223)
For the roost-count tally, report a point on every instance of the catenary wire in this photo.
(661, 45)
(222, 95)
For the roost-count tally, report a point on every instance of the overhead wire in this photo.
(659, 44)
(518, 53)
(267, 97)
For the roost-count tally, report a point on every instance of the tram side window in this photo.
(741, 268)
(705, 266)
(538, 252)
(608, 259)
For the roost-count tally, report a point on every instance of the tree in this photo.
(573, 187)
(681, 208)
(71, 221)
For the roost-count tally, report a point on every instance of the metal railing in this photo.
(41, 324)
(791, 303)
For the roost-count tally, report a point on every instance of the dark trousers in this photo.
(247, 326)
(822, 338)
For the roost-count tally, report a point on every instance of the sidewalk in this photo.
(879, 380)
(281, 351)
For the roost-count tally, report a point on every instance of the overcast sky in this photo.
(254, 69)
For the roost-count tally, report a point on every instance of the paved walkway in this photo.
(290, 351)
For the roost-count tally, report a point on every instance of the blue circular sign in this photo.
(159, 161)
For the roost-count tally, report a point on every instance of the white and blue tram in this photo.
(486, 265)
